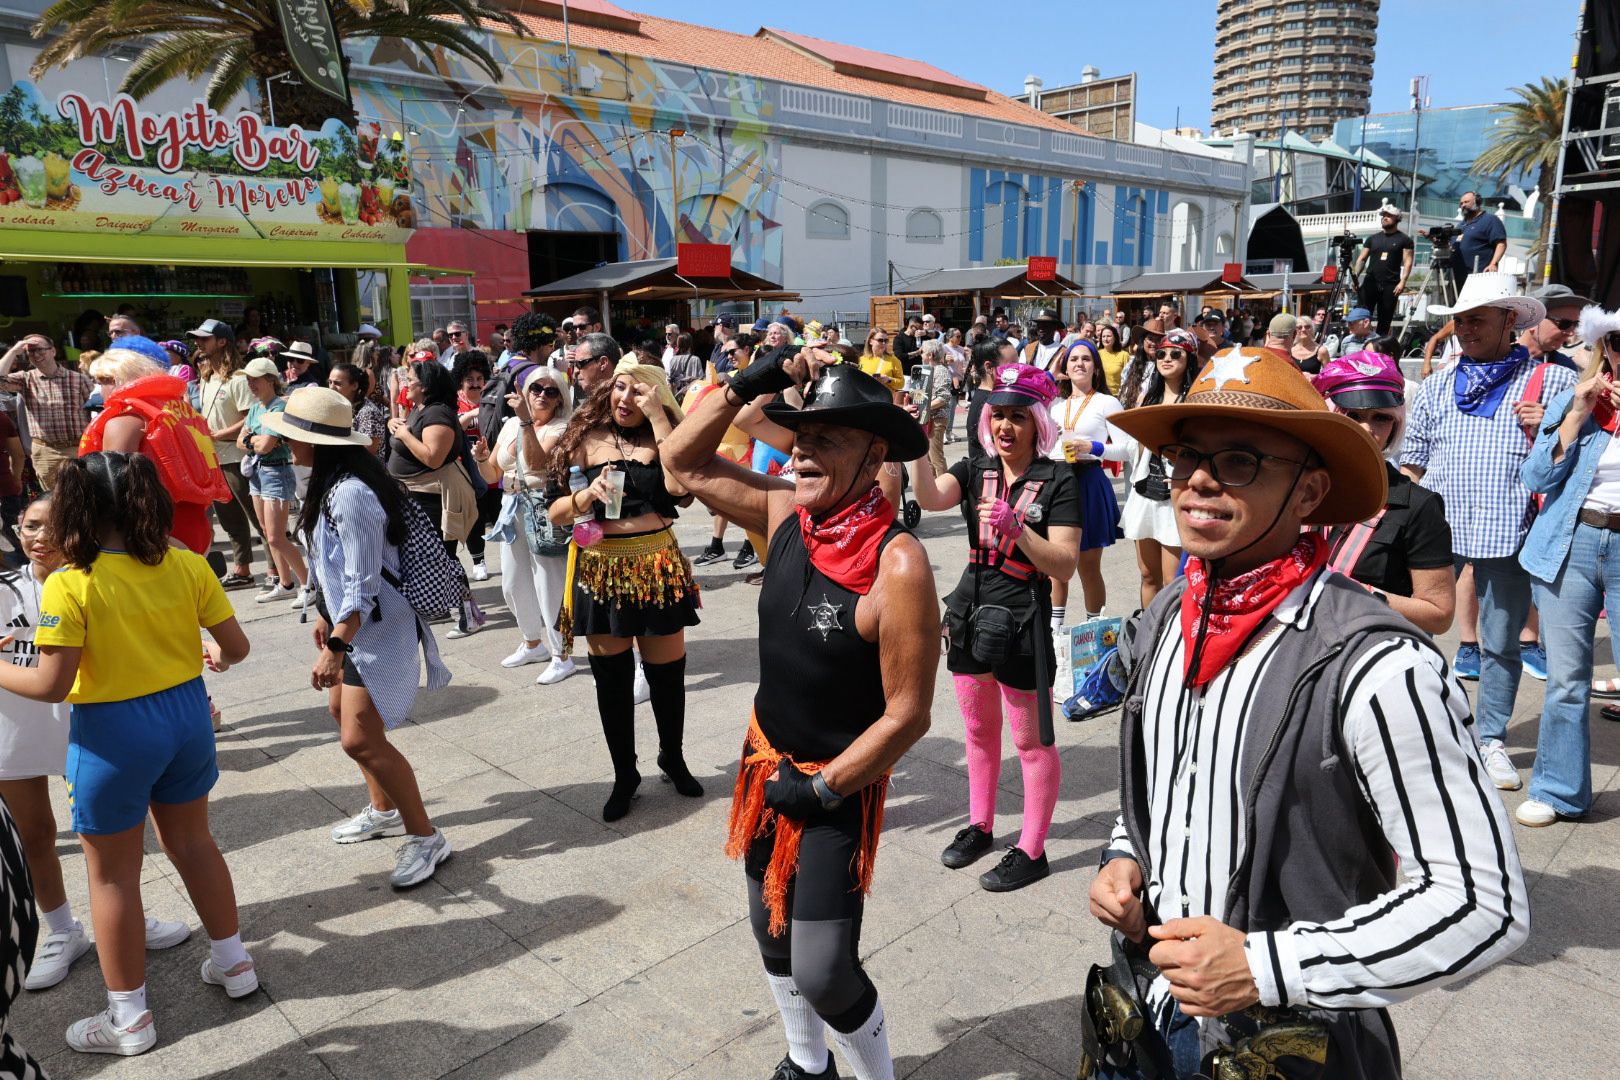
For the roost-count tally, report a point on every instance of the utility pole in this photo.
(1420, 86)
(1074, 237)
(1563, 148)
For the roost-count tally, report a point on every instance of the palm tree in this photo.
(234, 41)
(1529, 139)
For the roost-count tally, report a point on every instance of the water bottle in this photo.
(587, 531)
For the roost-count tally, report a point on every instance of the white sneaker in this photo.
(55, 955)
(369, 824)
(417, 860)
(165, 935)
(560, 668)
(1499, 766)
(643, 691)
(525, 655)
(279, 592)
(305, 598)
(240, 981)
(1535, 814)
(99, 1035)
(479, 572)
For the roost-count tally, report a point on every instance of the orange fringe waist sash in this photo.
(751, 819)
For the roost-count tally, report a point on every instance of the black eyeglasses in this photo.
(1566, 325)
(1228, 468)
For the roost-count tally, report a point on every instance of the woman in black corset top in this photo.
(633, 586)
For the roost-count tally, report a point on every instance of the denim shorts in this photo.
(273, 482)
(123, 755)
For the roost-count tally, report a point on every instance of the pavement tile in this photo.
(588, 1041)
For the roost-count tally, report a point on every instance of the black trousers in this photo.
(1379, 299)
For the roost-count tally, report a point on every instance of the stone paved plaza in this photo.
(555, 946)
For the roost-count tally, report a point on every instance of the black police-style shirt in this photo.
(1384, 256)
(1412, 535)
(1059, 500)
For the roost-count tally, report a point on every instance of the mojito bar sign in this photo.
(114, 167)
(306, 26)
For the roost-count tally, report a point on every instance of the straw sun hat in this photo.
(317, 415)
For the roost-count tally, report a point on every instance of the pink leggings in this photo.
(981, 698)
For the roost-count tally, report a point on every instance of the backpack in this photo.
(429, 578)
(1106, 681)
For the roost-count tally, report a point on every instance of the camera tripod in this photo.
(1346, 287)
(1436, 288)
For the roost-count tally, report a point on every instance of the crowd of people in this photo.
(1310, 828)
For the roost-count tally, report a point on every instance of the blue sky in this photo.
(1473, 53)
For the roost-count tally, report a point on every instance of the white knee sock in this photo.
(867, 1048)
(126, 1006)
(806, 1033)
(61, 920)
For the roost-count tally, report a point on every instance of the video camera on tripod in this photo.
(1441, 237)
(1345, 244)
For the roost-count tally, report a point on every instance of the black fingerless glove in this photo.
(765, 375)
(790, 793)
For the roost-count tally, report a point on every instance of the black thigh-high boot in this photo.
(615, 701)
(668, 685)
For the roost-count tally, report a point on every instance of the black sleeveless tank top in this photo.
(820, 682)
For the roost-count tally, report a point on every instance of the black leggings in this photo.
(433, 506)
(821, 949)
(489, 508)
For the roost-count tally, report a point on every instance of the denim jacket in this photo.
(1565, 483)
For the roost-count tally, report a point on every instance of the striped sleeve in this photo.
(1461, 904)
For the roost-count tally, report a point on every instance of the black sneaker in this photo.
(745, 557)
(790, 1070)
(234, 580)
(714, 553)
(968, 847)
(1014, 871)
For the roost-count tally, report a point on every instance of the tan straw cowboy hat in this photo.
(1260, 387)
(317, 415)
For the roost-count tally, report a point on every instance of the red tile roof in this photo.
(762, 57)
(857, 61)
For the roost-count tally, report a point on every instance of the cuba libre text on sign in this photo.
(117, 168)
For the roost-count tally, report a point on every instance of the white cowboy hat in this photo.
(300, 348)
(317, 415)
(1495, 290)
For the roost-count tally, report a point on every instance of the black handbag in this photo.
(992, 629)
(1155, 486)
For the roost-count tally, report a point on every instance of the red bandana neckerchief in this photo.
(844, 546)
(1241, 604)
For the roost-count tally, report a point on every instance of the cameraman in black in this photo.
(1384, 265)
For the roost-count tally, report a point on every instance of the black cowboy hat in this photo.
(845, 396)
(1048, 315)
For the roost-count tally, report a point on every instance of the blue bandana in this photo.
(1480, 385)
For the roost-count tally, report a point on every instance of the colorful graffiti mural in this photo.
(526, 155)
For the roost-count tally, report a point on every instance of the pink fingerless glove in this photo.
(1004, 520)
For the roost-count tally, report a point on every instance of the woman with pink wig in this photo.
(1023, 514)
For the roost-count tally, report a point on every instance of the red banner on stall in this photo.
(1042, 268)
(703, 260)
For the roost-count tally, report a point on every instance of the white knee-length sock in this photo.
(806, 1033)
(867, 1048)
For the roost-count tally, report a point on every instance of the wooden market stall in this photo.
(647, 294)
(957, 297)
(1188, 289)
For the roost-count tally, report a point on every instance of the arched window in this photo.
(925, 227)
(1186, 227)
(826, 220)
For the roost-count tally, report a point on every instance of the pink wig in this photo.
(1046, 433)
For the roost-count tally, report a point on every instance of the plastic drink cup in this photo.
(615, 482)
(1068, 450)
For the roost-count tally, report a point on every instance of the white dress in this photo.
(1143, 518)
(33, 734)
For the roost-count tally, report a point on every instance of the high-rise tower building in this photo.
(1294, 64)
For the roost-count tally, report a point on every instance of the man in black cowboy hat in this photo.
(1046, 350)
(847, 650)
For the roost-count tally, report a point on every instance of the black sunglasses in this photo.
(1173, 353)
(458, 333)
(1228, 468)
(577, 364)
(1613, 340)
(546, 391)
(729, 352)
(1566, 325)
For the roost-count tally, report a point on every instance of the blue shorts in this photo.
(273, 482)
(123, 755)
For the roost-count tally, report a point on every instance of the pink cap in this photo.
(1022, 384)
(1362, 380)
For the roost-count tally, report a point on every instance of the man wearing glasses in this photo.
(53, 399)
(1546, 340)
(459, 342)
(593, 360)
(120, 326)
(1305, 835)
